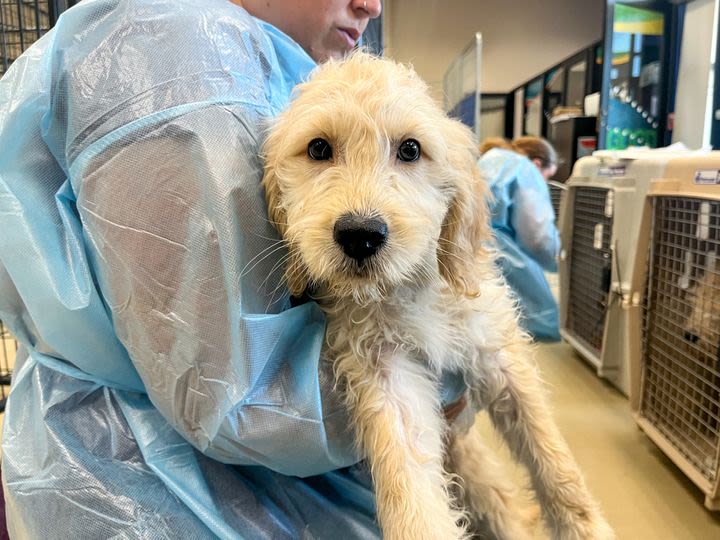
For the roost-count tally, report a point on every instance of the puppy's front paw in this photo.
(587, 526)
(429, 527)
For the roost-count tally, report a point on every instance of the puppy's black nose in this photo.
(360, 237)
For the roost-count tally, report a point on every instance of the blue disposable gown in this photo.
(524, 224)
(163, 387)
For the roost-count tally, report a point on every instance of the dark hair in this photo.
(536, 148)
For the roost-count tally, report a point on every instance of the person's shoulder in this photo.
(151, 25)
(499, 159)
(117, 61)
(503, 154)
(106, 47)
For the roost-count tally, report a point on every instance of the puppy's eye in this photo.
(409, 150)
(319, 150)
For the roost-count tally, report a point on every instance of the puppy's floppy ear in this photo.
(295, 275)
(466, 225)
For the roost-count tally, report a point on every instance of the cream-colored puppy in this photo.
(703, 322)
(702, 331)
(377, 196)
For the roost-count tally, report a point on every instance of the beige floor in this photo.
(644, 496)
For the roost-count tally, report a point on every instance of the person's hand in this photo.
(453, 410)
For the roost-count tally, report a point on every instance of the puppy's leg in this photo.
(487, 493)
(520, 412)
(400, 427)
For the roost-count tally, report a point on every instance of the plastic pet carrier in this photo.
(600, 225)
(675, 352)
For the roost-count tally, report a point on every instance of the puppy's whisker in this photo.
(272, 239)
(263, 255)
(281, 262)
(275, 223)
(275, 243)
(274, 269)
(280, 289)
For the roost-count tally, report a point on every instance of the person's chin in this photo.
(340, 48)
(334, 54)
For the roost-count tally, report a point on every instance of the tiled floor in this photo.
(644, 496)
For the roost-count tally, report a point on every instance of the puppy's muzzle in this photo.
(360, 237)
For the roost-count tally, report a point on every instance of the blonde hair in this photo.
(531, 147)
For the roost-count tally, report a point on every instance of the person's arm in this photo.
(145, 244)
(191, 270)
(533, 218)
(137, 235)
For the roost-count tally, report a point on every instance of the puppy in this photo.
(701, 326)
(376, 193)
(702, 358)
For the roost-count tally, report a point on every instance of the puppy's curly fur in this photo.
(703, 322)
(429, 300)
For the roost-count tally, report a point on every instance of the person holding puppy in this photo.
(164, 388)
(524, 223)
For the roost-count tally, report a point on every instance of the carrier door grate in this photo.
(681, 337)
(556, 193)
(22, 22)
(590, 265)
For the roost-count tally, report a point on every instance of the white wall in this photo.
(492, 124)
(521, 38)
(694, 90)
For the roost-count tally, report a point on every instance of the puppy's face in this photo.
(370, 184)
(704, 320)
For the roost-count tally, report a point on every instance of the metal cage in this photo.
(22, 22)
(600, 221)
(678, 354)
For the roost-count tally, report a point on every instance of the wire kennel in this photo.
(22, 22)
(676, 336)
(600, 225)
